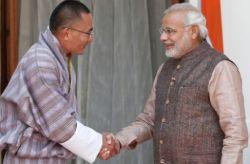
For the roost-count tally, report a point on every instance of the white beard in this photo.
(172, 53)
(177, 51)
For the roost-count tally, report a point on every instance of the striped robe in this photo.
(38, 107)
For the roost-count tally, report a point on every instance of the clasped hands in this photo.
(110, 147)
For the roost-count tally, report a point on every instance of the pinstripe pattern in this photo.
(37, 109)
(11, 159)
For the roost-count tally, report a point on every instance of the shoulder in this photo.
(39, 63)
(38, 56)
(225, 72)
(226, 66)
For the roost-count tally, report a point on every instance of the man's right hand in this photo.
(111, 146)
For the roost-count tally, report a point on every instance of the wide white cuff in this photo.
(86, 143)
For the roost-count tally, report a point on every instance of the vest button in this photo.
(163, 120)
(161, 142)
(167, 101)
(178, 66)
(162, 161)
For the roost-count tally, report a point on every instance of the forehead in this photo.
(175, 19)
(86, 21)
(87, 18)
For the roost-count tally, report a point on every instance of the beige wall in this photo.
(236, 37)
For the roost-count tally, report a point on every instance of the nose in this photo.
(163, 37)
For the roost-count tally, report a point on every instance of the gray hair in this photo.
(192, 16)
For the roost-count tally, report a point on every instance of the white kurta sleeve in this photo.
(86, 143)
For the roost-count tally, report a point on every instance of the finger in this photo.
(105, 155)
(109, 139)
(103, 150)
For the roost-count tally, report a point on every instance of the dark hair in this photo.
(66, 12)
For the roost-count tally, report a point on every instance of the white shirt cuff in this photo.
(86, 143)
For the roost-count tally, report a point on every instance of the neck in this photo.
(195, 44)
(62, 45)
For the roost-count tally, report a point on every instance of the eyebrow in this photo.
(168, 27)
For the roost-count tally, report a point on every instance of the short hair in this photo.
(192, 16)
(65, 13)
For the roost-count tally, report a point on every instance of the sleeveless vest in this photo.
(187, 129)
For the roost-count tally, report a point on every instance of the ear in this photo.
(65, 34)
(194, 30)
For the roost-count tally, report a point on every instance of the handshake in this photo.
(111, 146)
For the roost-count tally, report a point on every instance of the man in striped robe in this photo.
(38, 115)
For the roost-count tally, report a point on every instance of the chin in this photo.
(80, 52)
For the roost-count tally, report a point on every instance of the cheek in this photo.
(84, 40)
(185, 42)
